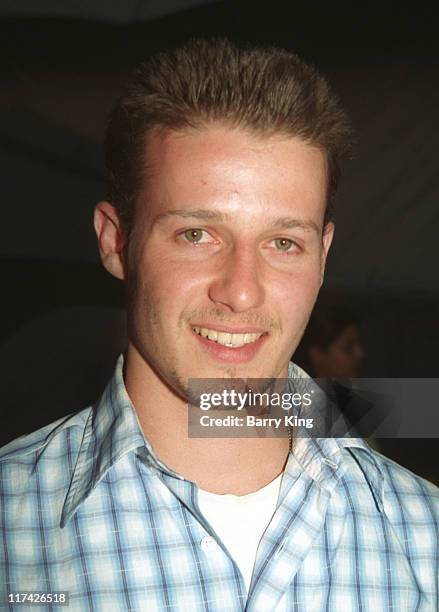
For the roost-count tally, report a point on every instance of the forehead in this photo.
(234, 170)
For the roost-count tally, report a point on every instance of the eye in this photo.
(283, 244)
(195, 235)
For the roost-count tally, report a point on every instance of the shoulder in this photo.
(417, 496)
(54, 445)
(405, 494)
(401, 480)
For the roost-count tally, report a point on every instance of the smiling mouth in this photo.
(227, 339)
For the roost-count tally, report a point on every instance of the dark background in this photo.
(63, 65)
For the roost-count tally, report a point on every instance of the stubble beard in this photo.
(142, 308)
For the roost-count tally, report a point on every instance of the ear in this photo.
(110, 238)
(328, 235)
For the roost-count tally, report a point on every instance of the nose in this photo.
(238, 284)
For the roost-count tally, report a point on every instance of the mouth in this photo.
(228, 339)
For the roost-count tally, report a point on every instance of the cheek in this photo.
(168, 288)
(296, 292)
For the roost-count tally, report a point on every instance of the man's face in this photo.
(227, 255)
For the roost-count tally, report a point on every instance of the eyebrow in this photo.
(216, 215)
(196, 213)
(291, 222)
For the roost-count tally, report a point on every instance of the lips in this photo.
(228, 339)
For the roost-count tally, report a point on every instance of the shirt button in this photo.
(208, 544)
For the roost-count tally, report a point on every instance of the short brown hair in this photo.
(265, 90)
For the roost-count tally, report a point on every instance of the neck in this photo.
(220, 465)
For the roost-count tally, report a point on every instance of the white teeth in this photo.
(226, 339)
(238, 339)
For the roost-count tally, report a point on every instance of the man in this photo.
(222, 164)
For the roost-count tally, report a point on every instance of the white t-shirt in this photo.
(240, 521)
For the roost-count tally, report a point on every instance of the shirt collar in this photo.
(113, 430)
(326, 460)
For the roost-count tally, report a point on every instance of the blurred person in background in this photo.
(331, 351)
(331, 346)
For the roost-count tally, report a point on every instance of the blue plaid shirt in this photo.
(86, 507)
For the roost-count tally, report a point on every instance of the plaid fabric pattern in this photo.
(87, 508)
